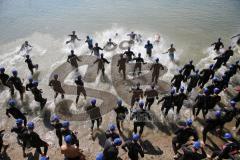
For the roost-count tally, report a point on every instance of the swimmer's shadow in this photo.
(100, 135)
(46, 115)
(148, 148)
(105, 79)
(156, 122)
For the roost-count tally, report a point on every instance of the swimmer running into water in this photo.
(25, 47)
(171, 51)
(73, 37)
(110, 43)
(218, 45)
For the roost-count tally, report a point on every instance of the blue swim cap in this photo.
(216, 90)
(141, 104)
(157, 59)
(233, 103)
(55, 118)
(14, 72)
(205, 90)
(182, 89)
(12, 102)
(100, 156)
(136, 137)
(44, 158)
(30, 125)
(112, 127)
(218, 114)
(189, 122)
(35, 83)
(2, 69)
(19, 121)
(215, 79)
(196, 144)
(172, 91)
(228, 135)
(68, 139)
(93, 101)
(117, 141)
(119, 102)
(65, 124)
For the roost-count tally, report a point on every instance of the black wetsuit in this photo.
(235, 68)
(150, 94)
(168, 103)
(4, 79)
(96, 51)
(29, 86)
(140, 117)
(138, 65)
(110, 151)
(226, 55)
(156, 67)
(30, 65)
(214, 100)
(188, 154)
(80, 89)
(211, 102)
(218, 45)
(58, 126)
(206, 75)
(101, 64)
(226, 79)
(179, 99)
(65, 132)
(16, 113)
(149, 48)
(38, 96)
(121, 112)
(218, 63)
(129, 55)
(73, 37)
(95, 115)
(16, 81)
(177, 81)
(19, 130)
(193, 82)
(34, 140)
(227, 151)
(72, 59)
(182, 136)
(200, 103)
(187, 70)
(211, 125)
(122, 66)
(133, 149)
(137, 94)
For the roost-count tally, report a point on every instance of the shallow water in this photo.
(191, 25)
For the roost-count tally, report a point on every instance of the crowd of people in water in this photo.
(186, 141)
